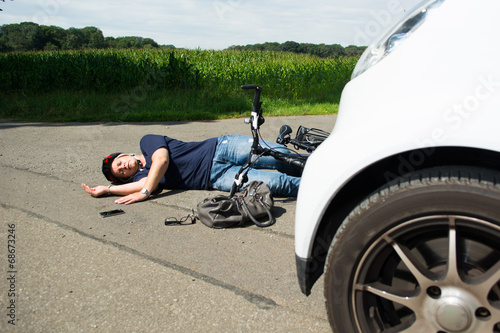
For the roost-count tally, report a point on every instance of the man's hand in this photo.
(131, 198)
(95, 191)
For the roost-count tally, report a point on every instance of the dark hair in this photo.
(106, 169)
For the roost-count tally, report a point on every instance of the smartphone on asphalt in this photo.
(112, 213)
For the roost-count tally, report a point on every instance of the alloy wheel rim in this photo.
(430, 274)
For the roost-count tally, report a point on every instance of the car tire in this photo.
(422, 254)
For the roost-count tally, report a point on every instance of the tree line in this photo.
(320, 50)
(29, 36)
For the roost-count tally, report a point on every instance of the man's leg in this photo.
(280, 184)
(235, 150)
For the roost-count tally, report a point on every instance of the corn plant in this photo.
(283, 75)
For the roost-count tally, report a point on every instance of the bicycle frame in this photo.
(256, 151)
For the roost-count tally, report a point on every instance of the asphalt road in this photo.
(66, 269)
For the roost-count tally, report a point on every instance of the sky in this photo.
(218, 24)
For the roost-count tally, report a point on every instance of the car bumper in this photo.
(307, 276)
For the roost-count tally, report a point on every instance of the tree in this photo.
(150, 43)
(353, 50)
(291, 47)
(50, 47)
(74, 39)
(131, 42)
(55, 36)
(272, 46)
(320, 50)
(21, 37)
(93, 38)
(28, 36)
(337, 50)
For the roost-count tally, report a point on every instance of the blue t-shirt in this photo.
(189, 166)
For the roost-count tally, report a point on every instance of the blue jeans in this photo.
(233, 151)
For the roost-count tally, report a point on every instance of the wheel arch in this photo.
(376, 175)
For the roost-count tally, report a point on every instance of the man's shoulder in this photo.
(154, 139)
(153, 136)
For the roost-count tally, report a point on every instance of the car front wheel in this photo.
(420, 255)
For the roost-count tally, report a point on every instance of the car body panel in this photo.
(440, 87)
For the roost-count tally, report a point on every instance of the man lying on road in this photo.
(168, 163)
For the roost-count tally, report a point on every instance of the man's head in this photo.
(120, 168)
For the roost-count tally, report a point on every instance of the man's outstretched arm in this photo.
(124, 189)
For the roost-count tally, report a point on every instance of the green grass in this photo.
(145, 85)
(157, 106)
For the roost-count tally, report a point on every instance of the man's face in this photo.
(124, 166)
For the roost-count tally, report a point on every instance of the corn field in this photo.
(283, 75)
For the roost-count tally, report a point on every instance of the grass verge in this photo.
(150, 106)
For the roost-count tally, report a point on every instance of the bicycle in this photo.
(307, 139)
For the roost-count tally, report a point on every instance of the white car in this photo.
(400, 206)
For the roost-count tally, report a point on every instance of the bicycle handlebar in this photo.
(292, 160)
(251, 86)
(256, 98)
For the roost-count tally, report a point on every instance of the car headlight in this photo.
(397, 34)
